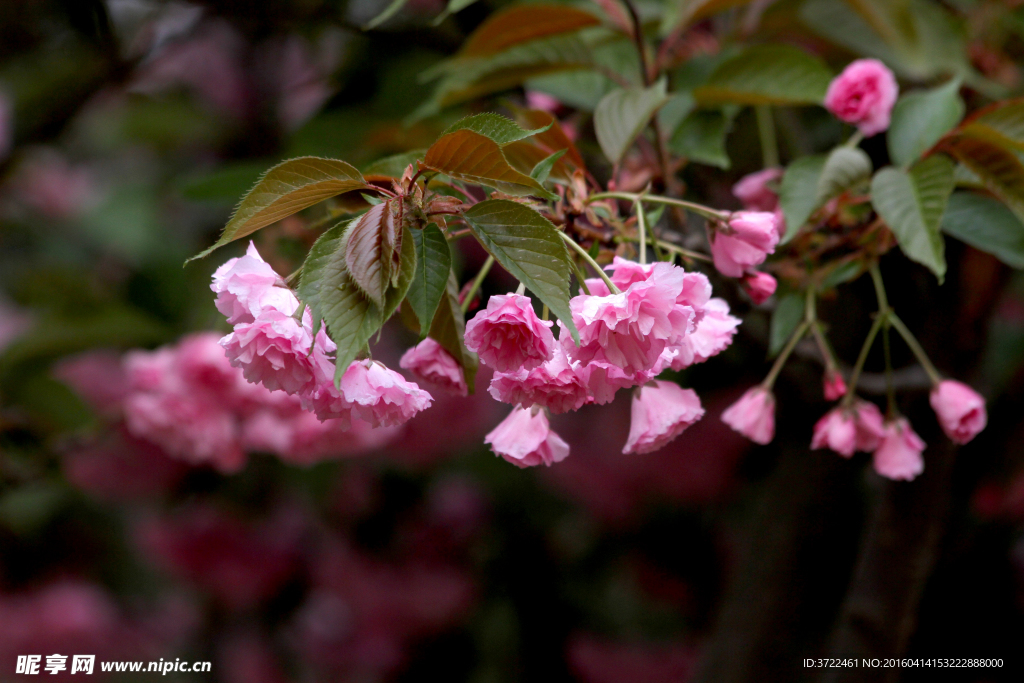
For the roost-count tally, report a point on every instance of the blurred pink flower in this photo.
(50, 185)
(755, 192)
(555, 385)
(960, 409)
(432, 363)
(660, 413)
(753, 415)
(508, 335)
(303, 439)
(864, 95)
(834, 387)
(98, 377)
(543, 101)
(899, 454)
(747, 240)
(525, 439)
(119, 467)
(381, 396)
(836, 429)
(758, 286)
(870, 425)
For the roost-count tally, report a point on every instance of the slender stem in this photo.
(810, 309)
(641, 224)
(890, 391)
(876, 278)
(826, 350)
(638, 40)
(459, 234)
(766, 131)
(699, 209)
(545, 313)
(579, 276)
(695, 255)
(798, 334)
(593, 264)
(521, 289)
(475, 287)
(868, 341)
(854, 139)
(912, 342)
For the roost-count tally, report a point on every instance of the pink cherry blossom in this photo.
(525, 439)
(960, 409)
(833, 385)
(603, 379)
(536, 99)
(899, 454)
(508, 335)
(713, 335)
(555, 385)
(753, 415)
(754, 191)
(837, 430)
(864, 95)
(870, 425)
(381, 396)
(303, 439)
(758, 286)
(274, 351)
(242, 284)
(746, 242)
(431, 362)
(661, 411)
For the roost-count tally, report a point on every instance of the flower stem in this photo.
(912, 342)
(766, 131)
(798, 334)
(579, 276)
(890, 391)
(854, 139)
(593, 264)
(641, 224)
(698, 209)
(521, 289)
(475, 287)
(868, 341)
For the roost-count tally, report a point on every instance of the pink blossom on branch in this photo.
(864, 95)
(273, 350)
(758, 286)
(899, 454)
(525, 439)
(660, 413)
(432, 363)
(753, 415)
(747, 240)
(243, 285)
(754, 191)
(713, 335)
(848, 429)
(555, 385)
(833, 385)
(960, 409)
(381, 396)
(508, 335)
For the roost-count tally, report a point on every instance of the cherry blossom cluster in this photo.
(643, 319)
(274, 345)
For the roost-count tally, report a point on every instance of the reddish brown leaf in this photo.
(373, 250)
(471, 157)
(999, 168)
(523, 23)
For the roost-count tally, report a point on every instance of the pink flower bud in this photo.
(960, 409)
(750, 237)
(381, 396)
(833, 385)
(754, 191)
(753, 415)
(864, 95)
(508, 335)
(660, 413)
(899, 454)
(525, 439)
(758, 286)
(431, 362)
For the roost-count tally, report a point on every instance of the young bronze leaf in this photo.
(529, 247)
(467, 155)
(288, 188)
(373, 249)
(433, 262)
(523, 23)
(449, 329)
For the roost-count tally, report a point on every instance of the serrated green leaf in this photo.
(912, 204)
(313, 269)
(499, 129)
(787, 315)
(543, 168)
(767, 74)
(622, 114)
(986, 224)
(389, 11)
(845, 168)
(701, 137)
(449, 330)
(529, 247)
(467, 155)
(433, 262)
(798, 192)
(288, 188)
(920, 119)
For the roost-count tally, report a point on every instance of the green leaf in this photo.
(529, 247)
(798, 192)
(467, 155)
(842, 273)
(788, 314)
(433, 262)
(701, 136)
(394, 166)
(373, 249)
(623, 114)
(449, 330)
(920, 119)
(767, 74)
(1000, 169)
(288, 188)
(986, 224)
(845, 168)
(682, 13)
(454, 6)
(1002, 124)
(497, 128)
(543, 168)
(389, 11)
(313, 270)
(912, 205)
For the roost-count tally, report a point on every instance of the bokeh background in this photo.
(129, 128)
